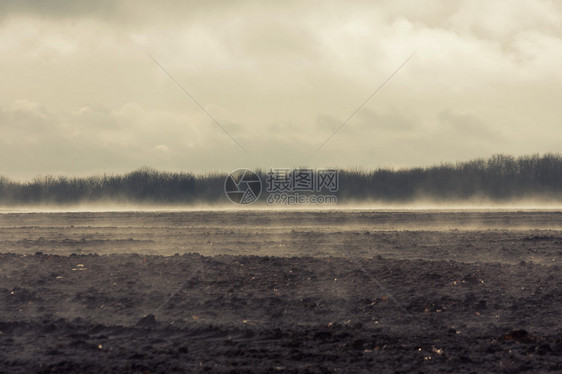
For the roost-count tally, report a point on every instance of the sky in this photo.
(84, 88)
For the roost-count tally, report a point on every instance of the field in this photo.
(281, 290)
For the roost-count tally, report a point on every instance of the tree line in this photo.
(500, 178)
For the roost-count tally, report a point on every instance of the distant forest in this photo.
(501, 178)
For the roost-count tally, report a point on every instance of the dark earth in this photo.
(269, 291)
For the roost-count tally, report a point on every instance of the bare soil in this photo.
(287, 291)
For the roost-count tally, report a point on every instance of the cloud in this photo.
(80, 95)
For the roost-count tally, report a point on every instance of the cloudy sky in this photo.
(80, 94)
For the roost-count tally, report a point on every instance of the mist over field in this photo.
(501, 179)
(296, 187)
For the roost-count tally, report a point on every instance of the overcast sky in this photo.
(79, 94)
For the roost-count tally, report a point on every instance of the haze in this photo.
(79, 95)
